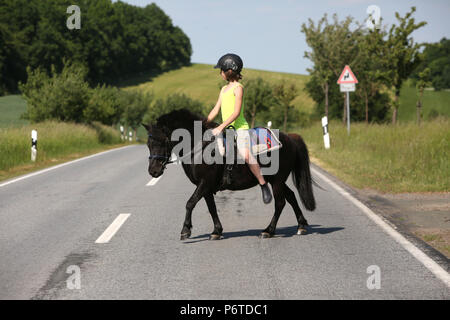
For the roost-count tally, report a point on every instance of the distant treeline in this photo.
(436, 57)
(115, 39)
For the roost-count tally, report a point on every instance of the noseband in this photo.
(165, 158)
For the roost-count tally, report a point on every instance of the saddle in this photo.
(262, 140)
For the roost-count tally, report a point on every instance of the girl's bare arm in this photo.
(215, 111)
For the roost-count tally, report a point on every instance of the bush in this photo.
(174, 101)
(104, 105)
(57, 97)
(135, 104)
(105, 134)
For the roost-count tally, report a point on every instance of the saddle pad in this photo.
(263, 140)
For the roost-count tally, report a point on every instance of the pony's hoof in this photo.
(215, 237)
(302, 231)
(265, 235)
(185, 236)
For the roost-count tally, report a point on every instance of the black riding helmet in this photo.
(230, 61)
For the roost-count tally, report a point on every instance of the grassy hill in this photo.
(201, 82)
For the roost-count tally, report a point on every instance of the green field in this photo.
(11, 107)
(439, 101)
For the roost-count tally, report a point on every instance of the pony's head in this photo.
(158, 144)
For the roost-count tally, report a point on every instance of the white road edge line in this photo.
(153, 181)
(429, 263)
(58, 166)
(113, 228)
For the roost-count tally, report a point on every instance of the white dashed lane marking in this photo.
(113, 228)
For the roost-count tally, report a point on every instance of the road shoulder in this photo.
(403, 212)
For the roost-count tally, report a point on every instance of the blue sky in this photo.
(266, 34)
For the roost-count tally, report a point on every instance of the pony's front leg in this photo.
(190, 205)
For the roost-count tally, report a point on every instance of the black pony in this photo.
(293, 157)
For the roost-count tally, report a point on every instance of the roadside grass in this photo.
(57, 142)
(386, 158)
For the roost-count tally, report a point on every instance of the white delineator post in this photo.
(269, 124)
(121, 133)
(131, 135)
(326, 135)
(33, 145)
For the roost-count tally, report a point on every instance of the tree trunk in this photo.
(419, 107)
(395, 112)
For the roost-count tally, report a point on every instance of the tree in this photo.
(372, 70)
(424, 81)
(135, 104)
(61, 96)
(404, 53)
(436, 57)
(333, 45)
(104, 105)
(258, 98)
(116, 40)
(284, 94)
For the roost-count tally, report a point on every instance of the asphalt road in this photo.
(51, 221)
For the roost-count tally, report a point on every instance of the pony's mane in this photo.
(182, 118)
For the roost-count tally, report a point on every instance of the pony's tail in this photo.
(301, 174)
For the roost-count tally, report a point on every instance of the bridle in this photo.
(165, 158)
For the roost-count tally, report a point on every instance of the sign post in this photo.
(347, 82)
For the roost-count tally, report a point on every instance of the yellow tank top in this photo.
(227, 108)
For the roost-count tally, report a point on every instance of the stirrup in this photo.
(226, 178)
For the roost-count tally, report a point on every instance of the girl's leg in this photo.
(243, 144)
(252, 164)
(244, 151)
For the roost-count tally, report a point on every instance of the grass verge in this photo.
(386, 158)
(57, 142)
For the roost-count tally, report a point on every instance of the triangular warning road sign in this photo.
(347, 76)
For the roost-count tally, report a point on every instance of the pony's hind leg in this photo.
(280, 202)
(217, 232)
(302, 223)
